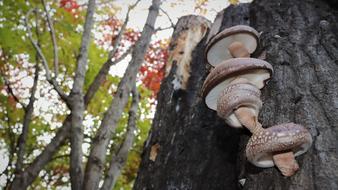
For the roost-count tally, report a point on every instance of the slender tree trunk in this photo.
(77, 105)
(97, 155)
(120, 157)
(197, 150)
(26, 121)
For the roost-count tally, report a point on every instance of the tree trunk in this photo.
(197, 150)
(97, 156)
(120, 157)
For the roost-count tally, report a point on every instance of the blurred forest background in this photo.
(62, 65)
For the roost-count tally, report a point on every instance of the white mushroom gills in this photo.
(255, 77)
(219, 51)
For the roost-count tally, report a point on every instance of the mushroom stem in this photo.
(237, 49)
(248, 118)
(286, 163)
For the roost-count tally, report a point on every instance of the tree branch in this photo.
(77, 104)
(118, 39)
(52, 34)
(99, 147)
(165, 28)
(26, 121)
(62, 95)
(99, 78)
(32, 171)
(171, 22)
(120, 157)
(11, 93)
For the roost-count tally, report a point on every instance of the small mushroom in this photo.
(255, 71)
(278, 145)
(236, 41)
(239, 96)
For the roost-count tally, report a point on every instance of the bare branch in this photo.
(11, 93)
(52, 33)
(118, 39)
(35, 44)
(60, 156)
(171, 22)
(43, 58)
(120, 157)
(32, 171)
(99, 78)
(165, 28)
(26, 121)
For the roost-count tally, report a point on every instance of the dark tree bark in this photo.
(197, 150)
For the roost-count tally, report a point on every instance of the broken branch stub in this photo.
(188, 33)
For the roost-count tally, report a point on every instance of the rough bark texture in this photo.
(198, 151)
(194, 148)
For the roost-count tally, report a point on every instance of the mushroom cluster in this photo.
(232, 88)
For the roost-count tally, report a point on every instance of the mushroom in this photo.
(239, 103)
(254, 71)
(278, 145)
(236, 41)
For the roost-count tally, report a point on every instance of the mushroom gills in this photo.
(254, 76)
(266, 160)
(219, 51)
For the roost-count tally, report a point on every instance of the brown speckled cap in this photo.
(279, 138)
(217, 48)
(235, 96)
(256, 71)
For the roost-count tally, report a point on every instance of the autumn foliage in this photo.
(69, 5)
(152, 70)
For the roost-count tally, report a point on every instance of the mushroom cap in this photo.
(279, 138)
(256, 71)
(235, 96)
(217, 49)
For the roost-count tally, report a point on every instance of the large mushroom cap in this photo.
(235, 96)
(217, 49)
(256, 71)
(285, 137)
